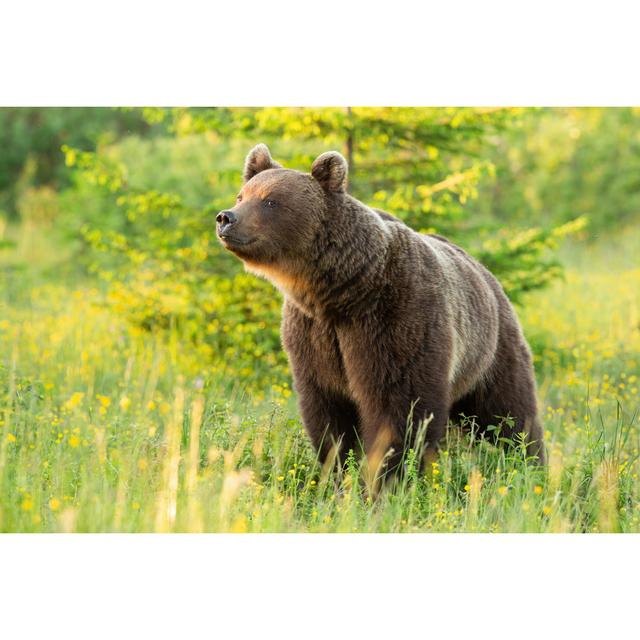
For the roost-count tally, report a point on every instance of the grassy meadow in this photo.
(107, 428)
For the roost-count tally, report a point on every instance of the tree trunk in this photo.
(350, 144)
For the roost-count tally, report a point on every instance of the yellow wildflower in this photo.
(239, 525)
(103, 400)
(74, 400)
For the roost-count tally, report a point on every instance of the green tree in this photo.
(424, 165)
(30, 139)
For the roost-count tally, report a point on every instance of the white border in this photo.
(319, 586)
(327, 52)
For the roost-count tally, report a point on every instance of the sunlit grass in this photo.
(105, 427)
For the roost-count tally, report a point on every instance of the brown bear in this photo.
(385, 328)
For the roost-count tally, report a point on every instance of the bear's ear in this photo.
(330, 170)
(258, 160)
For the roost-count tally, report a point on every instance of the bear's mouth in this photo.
(230, 241)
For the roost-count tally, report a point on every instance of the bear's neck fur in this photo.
(343, 274)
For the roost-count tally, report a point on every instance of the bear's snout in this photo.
(225, 219)
(230, 231)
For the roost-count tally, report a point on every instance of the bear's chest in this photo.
(326, 357)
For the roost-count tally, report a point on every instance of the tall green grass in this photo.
(104, 427)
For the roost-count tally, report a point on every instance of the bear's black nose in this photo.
(225, 218)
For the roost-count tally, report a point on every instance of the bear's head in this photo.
(279, 212)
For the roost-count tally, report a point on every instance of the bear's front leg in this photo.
(401, 423)
(329, 419)
(398, 389)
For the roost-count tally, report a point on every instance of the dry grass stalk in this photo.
(168, 493)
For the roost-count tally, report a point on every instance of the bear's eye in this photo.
(270, 204)
(239, 198)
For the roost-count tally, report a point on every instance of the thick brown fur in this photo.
(382, 325)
